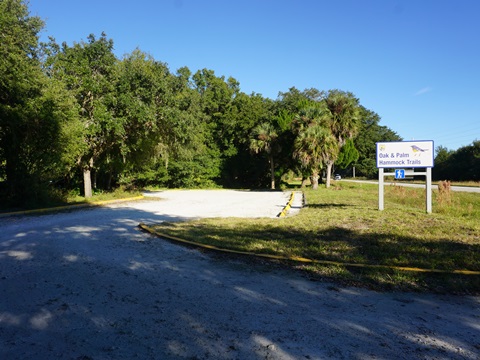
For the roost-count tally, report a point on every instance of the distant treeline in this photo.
(459, 165)
(74, 117)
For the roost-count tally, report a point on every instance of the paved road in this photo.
(434, 186)
(88, 284)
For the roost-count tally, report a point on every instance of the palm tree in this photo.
(343, 122)
(322, 128)
(314, 146)
(264, 138)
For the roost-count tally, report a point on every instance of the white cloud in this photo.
(423, 91)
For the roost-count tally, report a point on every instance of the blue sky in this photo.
(414, 62)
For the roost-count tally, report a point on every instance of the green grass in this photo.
(343, 224)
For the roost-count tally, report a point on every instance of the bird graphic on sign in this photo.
(417, 150)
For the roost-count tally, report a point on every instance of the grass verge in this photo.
(117, 194)
(343, 225)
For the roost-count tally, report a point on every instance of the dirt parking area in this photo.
(88, 284)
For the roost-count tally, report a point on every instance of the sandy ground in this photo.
(88, 284)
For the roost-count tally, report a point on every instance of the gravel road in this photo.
(87, 284)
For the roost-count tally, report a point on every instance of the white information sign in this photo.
(401, 155)
(405, 154)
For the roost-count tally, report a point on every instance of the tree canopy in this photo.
(77, 117)
(459, 165)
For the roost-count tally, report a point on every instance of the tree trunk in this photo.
(329, 173)
(272, 173)
(87, 179)
(304, 181)
(314, 180)
(109, 180)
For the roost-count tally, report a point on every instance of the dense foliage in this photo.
(460, 165)
(74, 117)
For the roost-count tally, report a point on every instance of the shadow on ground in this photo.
(89, 285)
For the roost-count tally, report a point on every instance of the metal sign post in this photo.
(429, 190)
(380, 189)
(410, 154)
